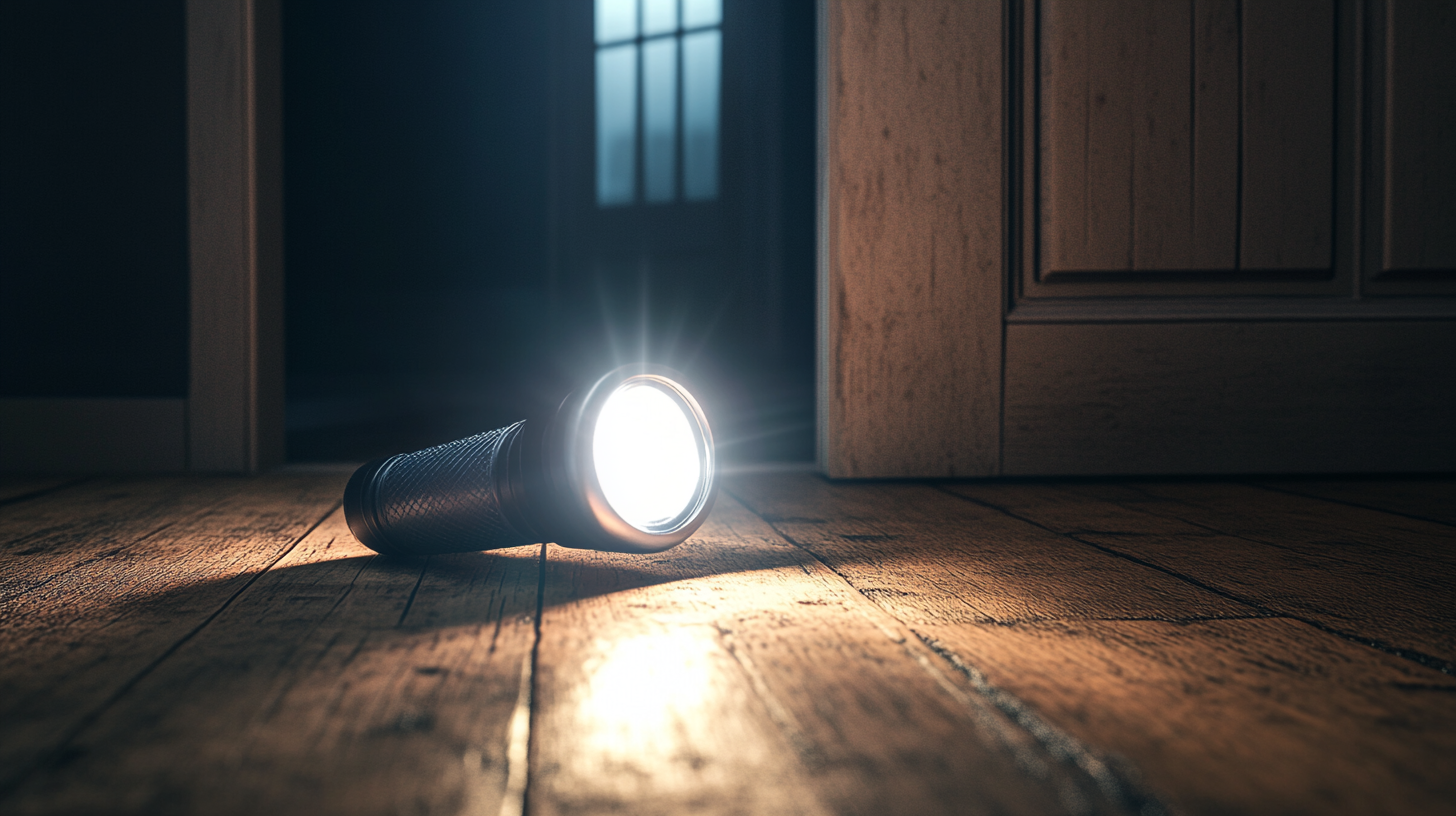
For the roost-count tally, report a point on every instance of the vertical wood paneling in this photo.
(1162, 172)
(1288, 134)
(915, 272)
(1420, 137)
(1139, 135)
(234, 136)
(1215, 139)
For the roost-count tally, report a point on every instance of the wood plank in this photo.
(91, 603)
(338, 682)
(1215, 134)
(1246, 716)
(1420, 126)
(1429, 499)
(1236, 397)
(20, 488)
(912, 278)
(737, 674)
(43, 539)
(968, 563)
(1139, 136)
(1287, 201)
(1163, 184)
(1238, 714)
(1376, 578)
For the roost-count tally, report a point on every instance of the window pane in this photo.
(659, 117)
(617, 124)
(702, 13)
(658, 17)
(702, 57)
(616, 20)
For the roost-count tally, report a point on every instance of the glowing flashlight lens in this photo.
(646, 455)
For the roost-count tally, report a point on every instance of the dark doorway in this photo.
(449, 266)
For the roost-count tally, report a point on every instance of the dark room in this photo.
(728, 407)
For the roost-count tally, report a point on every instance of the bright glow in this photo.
(646, 456)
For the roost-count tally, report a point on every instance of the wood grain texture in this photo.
(1220, 716)
(1288, 135)
(20, 488)
(380, 686)
(915, 218)
(1235, 716)
(968, 563)
(1214, 143)
(1229, 397)
(1139, 136)
(1371, 577)
(1420, 127)
(1228, 713)
(112, 576)
(737, 674)
(235, 217)
(1432, 500)
(969, 647)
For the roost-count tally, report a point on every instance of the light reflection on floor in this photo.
(638, 687)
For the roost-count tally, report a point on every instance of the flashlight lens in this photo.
(647, 457)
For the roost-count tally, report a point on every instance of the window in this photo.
(659, 73)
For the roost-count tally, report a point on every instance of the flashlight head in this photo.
(628, 464)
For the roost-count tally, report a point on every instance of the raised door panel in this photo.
(1181, 141)
(1416, 230)
(1287, 147)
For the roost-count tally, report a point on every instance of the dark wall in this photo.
(446, 269)
(416, 209)
(93, 199)
(722, 290)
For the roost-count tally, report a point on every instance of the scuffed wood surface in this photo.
(1365, 574)
(112, 576)
(225, 646)
(1429, 499)
(20, 487)
(912, 282)
(1236, 716)
(737, 674)
(337, 682)
(1220, 704)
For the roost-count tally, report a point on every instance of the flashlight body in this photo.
(531, 482)
(443, 499)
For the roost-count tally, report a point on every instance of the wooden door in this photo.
(1138, 237)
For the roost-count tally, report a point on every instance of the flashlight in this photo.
(625, 465)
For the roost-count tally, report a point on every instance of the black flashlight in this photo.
(625, 465)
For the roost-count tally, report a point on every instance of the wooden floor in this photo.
(217, 645)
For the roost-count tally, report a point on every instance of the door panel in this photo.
(1417, 216)
(1277, 397)
(1288, 134)
(1206, 202)
(1182, 142)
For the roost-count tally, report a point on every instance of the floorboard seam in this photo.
(518, 803)
(44, 491)
(1429, 661)
(1064, 749)
(1348, 503)
(410, 602)
(95, 714)
(86, 562)
(1114, 783)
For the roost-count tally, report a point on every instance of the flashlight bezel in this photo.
(571, 437)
